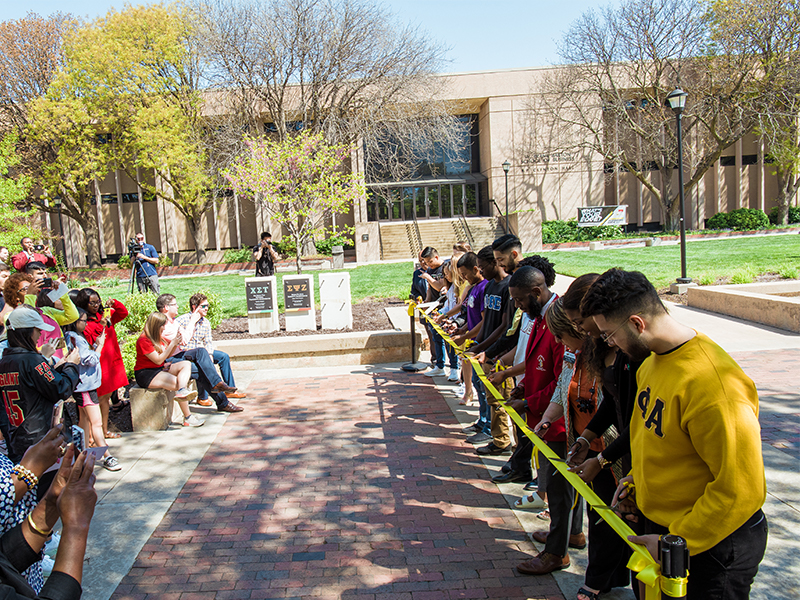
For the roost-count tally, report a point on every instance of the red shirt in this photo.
(144, 346)
(114, 376)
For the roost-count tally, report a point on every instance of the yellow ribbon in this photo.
(641, 562)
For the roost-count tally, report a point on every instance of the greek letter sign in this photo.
(259, 295)
(296, 293)
(594, 216)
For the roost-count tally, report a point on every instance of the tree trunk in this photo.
(299, 250)
(787, 188)
(196, 229)
(88, 223)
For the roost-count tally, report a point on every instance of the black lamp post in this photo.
(676, 100)
(506, 168)
(57, 202)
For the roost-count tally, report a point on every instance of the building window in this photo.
(130, 198)
(109, 198)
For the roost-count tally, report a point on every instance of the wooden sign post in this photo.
(262, 304)
(298, 302)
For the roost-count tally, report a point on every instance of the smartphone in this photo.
(60, 343)
(58, 413)
(79, 439)
(107, 313)
(47, 282)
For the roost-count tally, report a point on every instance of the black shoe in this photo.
(474, 428)
(490, 448)
(479, 438)
(512, 477)
(506, 467)
(231, 408)
(532, 486)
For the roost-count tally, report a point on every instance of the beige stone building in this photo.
(464, 202)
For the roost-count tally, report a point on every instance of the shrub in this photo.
(237, 255)
(214, 307)
(124, 262)
(707, 280)
(745, 275)
(286, 246)
(164, 261)
(325, 246)
(748, 219)
(718, 221)
(127, 345)
(139, 308)
(794, 215)
(556, 232)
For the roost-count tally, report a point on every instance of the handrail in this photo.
(467, 231)
(506, 224)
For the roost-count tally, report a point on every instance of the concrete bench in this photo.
(151, 410)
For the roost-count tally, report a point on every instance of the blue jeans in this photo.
(437, 347)
(485, 411)
(224, 361)
(204, 372)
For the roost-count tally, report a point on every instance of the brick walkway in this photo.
(777, 376)
(356, 486)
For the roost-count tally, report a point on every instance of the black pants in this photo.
(560, 498)
(726, 571)
(520, 460)
(608, 552)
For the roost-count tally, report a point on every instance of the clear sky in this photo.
(481, 34)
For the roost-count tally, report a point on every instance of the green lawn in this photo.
(369, 281)
(705, 260)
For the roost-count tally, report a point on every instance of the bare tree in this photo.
(344, 68)
(620, 66)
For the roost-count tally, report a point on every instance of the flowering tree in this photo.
(302, 182)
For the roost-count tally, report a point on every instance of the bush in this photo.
(124, 262)
(127, 345)
(164, 261)
(214, 307)
(139, 308)
(748, 219)
(286, 246)
(708, 280)
(794, 215)
(744, 275)
(325, 246)
(236, 255)
(557, 232)
(718, 221)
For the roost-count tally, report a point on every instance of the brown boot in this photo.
(577, 541)
(543, 563)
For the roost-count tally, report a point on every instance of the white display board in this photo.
(335, 302)
(298, 302)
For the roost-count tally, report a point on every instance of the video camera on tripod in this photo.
(134, 248)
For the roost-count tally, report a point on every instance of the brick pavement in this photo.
(355, 486)
(777, 376)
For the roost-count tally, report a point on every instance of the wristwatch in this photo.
(604, 462)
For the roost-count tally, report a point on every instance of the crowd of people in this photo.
(659, 420)
(60, 346)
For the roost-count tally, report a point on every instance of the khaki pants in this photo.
(500, 429)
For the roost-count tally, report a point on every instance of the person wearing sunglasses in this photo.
(197, 334)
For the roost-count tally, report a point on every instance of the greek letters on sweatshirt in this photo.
(696, 443)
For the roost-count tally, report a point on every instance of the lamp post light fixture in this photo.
(506, 169)
(676, 100)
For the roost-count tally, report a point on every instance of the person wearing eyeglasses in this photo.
(197, 334)
(147, 260)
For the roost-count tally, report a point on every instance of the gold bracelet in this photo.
(36, 529)
(26, 476)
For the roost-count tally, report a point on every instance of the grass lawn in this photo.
(369, 281)
(706, 261)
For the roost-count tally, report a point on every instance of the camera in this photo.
(47, 283)
(38, 247)
(134, 247)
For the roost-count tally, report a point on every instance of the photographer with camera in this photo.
(144, 258)
(32, 252)
(265, 256)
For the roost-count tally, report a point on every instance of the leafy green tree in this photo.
(300, 180)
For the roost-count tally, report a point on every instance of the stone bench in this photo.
(151, 410)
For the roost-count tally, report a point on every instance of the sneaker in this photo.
(454, 376)
(479, 438)
(491, 449)
(474, 428)
(47, 565)
(193, 421)
(437, 372)
(185, 394)
(461, 390)
(51, 546)
(110, 463)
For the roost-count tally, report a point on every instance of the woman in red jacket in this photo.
(114, 376)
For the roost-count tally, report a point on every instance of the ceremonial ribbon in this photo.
(647, 569)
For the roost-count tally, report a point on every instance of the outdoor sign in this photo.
(297, 293)
(259, 294)
(594, 216)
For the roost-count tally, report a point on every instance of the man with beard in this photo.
(543, 363)
(694, 435)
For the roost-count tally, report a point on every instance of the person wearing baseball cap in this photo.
(30, 386)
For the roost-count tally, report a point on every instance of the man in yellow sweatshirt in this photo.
(695, 438)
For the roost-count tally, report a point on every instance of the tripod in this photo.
(138, 263)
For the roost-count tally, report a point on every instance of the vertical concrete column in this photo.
(718, 191)
(761, 174)
(140, 202)
(238, 222)
(122, 236)
(100, 225)
(216, 227)
(738, 183)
